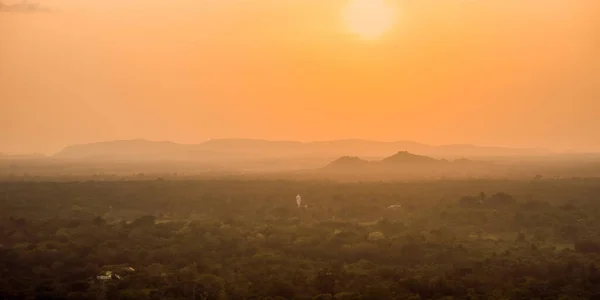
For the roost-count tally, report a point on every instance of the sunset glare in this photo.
(368, 18)
(436, 72)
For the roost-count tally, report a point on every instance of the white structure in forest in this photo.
(298, 200)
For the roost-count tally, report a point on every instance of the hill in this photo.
(408, 165)
(405, 157)
(347, 162)
(252, 149)
(397, 162)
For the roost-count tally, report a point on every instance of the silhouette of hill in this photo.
(407, 164)
(244, 149)
(405, 157)
(348, 162)
(400, 160)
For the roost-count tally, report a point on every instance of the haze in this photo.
(510, 73)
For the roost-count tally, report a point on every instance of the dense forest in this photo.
(247, 239)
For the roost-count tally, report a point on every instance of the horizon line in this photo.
(51, 153)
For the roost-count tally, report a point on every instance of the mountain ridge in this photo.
(261, 148)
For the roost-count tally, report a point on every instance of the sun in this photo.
(368, 19)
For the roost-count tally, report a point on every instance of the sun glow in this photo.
(368, 18)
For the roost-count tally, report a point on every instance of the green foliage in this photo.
(246, 239)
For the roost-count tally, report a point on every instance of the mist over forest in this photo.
(339, 159)
(299, 150)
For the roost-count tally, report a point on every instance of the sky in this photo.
(518, 73)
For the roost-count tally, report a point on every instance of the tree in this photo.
(325, 282)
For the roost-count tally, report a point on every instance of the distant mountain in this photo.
(405, 157)
(251, 149)
(401, 159)
(404, 163)
(348, 162)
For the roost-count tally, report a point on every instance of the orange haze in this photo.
(491, 72)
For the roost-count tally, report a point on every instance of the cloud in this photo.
(23, 7)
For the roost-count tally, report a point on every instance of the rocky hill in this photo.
(405, 157)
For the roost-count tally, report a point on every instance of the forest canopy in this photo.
(247, 239)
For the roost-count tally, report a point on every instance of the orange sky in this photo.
(490, 72)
